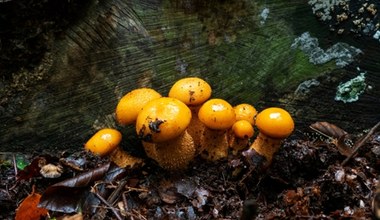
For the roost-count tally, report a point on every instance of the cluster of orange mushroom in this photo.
(188, 122)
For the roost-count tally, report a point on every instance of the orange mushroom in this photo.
(218, 116)
(161, 125)
(275, 124)
(131, 104)
(246, 112)
(106, 142)
(245, 120)
(192, 91)
(241, 132)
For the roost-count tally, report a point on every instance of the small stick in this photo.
(93, 190)
(360, 143)
(126, 205)
(116, 193)
(14, 164)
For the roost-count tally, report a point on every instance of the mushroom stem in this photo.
(237, 144)
(174, 154)
(261, 152)
(124, 160)
(214, 144)
(196, 128)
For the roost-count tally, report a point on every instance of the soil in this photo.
(306, 180)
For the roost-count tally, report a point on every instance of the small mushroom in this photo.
(218, 116)
(192, 91)
(161, 125)
(131, 104)
(106, 142)
(247, 113)
(275, 124)
(241, 131)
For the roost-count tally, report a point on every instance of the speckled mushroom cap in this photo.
(275, 123)
(191, 90)
(246, 112)
(131, 104)
(217, 114)
(162, 119)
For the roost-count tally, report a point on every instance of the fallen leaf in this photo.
(66, 195)
(28, 209)
(328, 129)
(33, 169)
(340, 138)
(344, 145)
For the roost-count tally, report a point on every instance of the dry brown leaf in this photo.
(28, 209)
(327, 129)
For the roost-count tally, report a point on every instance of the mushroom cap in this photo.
(104, 141)
(131, 104)
(246, 112)
(275, 123)
(191, 91)
(217, 114)
(243, 129)
(162, 119)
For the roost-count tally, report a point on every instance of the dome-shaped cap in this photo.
(162, 119)
(104, 141)
(275, 122)
(131, 104)
(246, 112)
(191, 91)
(217, 114)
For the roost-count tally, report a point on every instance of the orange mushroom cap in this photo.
(243, 129)
(275, 122)
(246, 112)
(131, 104)
(191, 91)
(162, 119)
(104, 141)
(217, 114)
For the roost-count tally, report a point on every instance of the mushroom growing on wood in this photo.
(218, 116)
(161, 125)
(106, 142)
(275, 124)
(192, 91)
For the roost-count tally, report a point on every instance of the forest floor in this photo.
(310, 178)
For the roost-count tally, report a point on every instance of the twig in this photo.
(93, 190)
(14, 164)
(126, 205)
(116, 193)
(360, 143)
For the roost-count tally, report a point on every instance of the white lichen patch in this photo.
(342, 53)
(352, 89)
(264, 15)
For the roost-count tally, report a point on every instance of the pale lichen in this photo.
(352, 89)
(342, 53)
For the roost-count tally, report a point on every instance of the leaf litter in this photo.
(307, 179)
